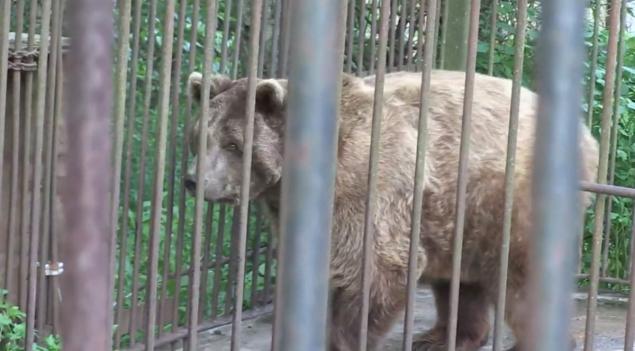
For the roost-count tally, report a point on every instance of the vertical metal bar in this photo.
(255, 256)
(422, 141)
(120, 110)
(412, 27)
(421, 34)
(28, 164)
(246, 174)
(123, 238)
(362, 38)
(556, 194)
(182, 195)
(226, 23)
(510, 166)
(176, 114)
(600, 205)
(349, 36)
(14, 209)
(275, 37)
(206, 259)
(492, 38)
(147, 96)
(56, 295)
(630, 316)
(373, 37)
(37, 172)
(594, 62)
(239, 33)
(435, 36)
(472, 42)
(5, 5)
(315, 71)
(613, 148)
(263, 39)
(210, 30)
(48, 197)
(402, 29)
(87, 242)
(218, 254)
(229, 285)
(285, 37)
(367, 255)
(394, 7)
(157, 195)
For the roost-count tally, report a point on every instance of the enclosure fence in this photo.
(180, 265)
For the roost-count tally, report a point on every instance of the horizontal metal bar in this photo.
(608, 189)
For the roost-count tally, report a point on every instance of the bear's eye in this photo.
(232, 147)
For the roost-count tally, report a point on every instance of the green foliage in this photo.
(13, 329)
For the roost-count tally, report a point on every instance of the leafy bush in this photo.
(13, 329)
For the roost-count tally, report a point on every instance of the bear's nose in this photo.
(190, 183)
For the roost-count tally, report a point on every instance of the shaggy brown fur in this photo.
(484, 207)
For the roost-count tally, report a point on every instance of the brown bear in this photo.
(484, 204)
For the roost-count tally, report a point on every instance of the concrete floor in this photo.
(609, 336)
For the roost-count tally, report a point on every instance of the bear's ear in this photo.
(270, 96)
(218, 83)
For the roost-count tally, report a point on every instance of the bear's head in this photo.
(227, 117)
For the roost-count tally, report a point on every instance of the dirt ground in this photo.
(609, 336)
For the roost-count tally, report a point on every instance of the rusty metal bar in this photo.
(147, 96)
(87, 187)
(435, 35)
(287, 9)
(220, 234)
(411, 32)
(556, 203)
(182, 195)
(239, 31)
(402, 28)
(367, 255)
(255, 256)
(422, 142)
(600, 205)
(392, 27)
(209, 218)
(613, 148)
(362, 37)
(252, 68)
(301, 304)
(48, 159)
(226, 23)
(630, 315)
(27, 205)
(195, 278)
(157, 194)
(492, 37)
(594, 62)
(37, 173)
(262, 41)
(4, 61)
(349, 36)
(175, 97)
(14, 209)
(123, 251)
(373, 37)
(462, 172)
(232, 276)
(275, 46)
(608, 189)
(519, 54)
(119, 113)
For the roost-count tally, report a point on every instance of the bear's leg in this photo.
(386, 304)
(473, 322)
